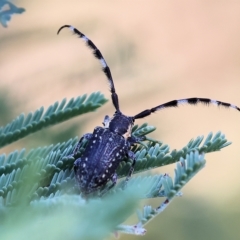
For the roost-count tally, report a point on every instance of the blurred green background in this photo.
(157, 51)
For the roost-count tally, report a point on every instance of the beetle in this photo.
(108, 145)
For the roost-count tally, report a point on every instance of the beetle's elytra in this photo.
(108, 145)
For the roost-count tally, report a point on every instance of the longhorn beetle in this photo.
(108, 145)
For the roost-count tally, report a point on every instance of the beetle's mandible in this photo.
(108, 145)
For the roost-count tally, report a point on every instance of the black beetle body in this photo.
(99, 162)
(107, 146)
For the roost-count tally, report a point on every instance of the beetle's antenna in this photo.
(100, 57)
(191, 101)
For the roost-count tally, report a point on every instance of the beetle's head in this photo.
(119, 124)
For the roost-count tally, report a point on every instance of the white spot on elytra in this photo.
(94, 141)
(84, 165)
(110, 165)
(103, 176)
(95, 135)
(117, 154)
(86, 159)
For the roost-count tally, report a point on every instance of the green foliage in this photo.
(7, 9)
(38, 195)
(56, 113)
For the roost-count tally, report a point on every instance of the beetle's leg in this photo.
(106, 121)
(76, 165)
(86, 136)
(131, 155)
(114, 181)
(133, 140)
(138, 139)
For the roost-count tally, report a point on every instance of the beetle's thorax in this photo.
(119, 124)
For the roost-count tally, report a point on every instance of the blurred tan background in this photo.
(157, 51)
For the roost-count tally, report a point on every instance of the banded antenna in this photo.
(147, 112)
(100, 57)
(191, 101)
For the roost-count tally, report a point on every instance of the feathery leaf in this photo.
(56, 113)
